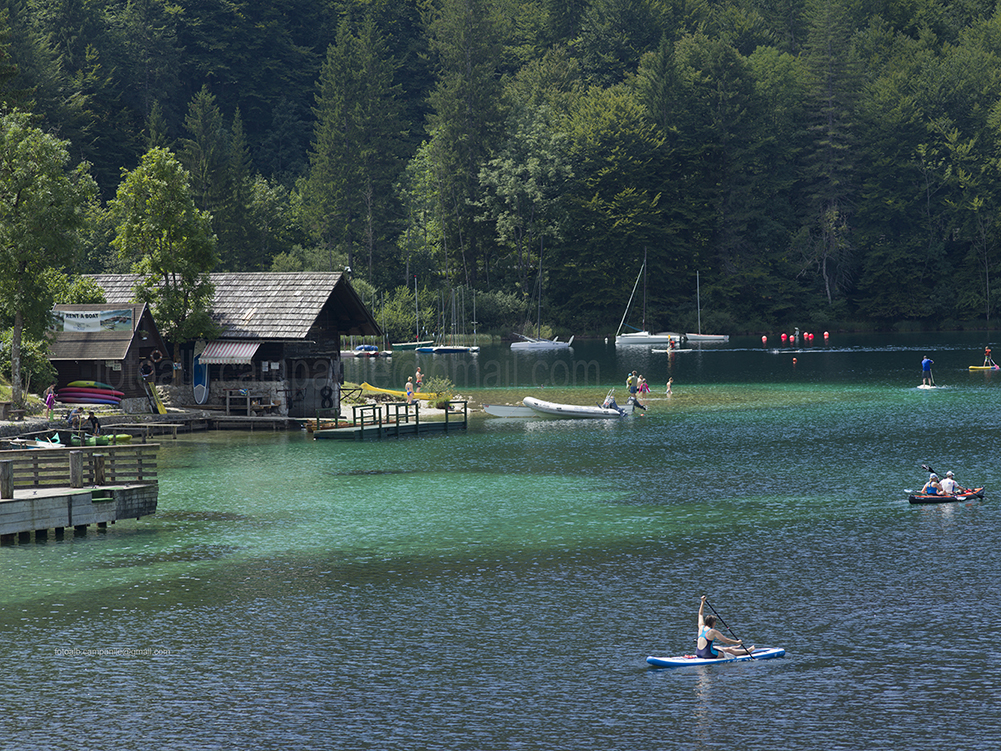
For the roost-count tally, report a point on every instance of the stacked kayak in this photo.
(100, 440)
(962, 495)
(89, 392)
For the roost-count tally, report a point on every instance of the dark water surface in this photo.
(501, 589)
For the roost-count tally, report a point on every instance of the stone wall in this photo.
(133, 502)
(183, 396)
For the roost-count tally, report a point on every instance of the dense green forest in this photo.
(816, 162)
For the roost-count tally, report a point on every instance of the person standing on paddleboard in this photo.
(708, 634)
(926, 364)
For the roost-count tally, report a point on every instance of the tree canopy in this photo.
(813, 161)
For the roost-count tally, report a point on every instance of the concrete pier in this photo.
(58, 488)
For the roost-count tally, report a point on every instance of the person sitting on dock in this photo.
(75, 418)
(95, 424)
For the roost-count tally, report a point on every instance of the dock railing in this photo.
(85, 466)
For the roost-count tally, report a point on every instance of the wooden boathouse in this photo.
(46, 489)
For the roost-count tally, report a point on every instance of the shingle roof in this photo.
(271, 306)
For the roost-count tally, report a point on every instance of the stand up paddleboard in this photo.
(685, 661)
(200, 381)
(926, 386)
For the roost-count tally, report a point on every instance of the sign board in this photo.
(92, 320)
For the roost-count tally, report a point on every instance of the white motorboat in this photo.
(577, 410)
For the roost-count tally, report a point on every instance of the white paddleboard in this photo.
(691, 660)
(925, 386)
(503, 410)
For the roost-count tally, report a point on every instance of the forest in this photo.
(825, 163)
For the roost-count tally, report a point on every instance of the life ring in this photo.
(156, 355)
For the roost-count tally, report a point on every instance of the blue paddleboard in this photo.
(200, 381)
(691, 660)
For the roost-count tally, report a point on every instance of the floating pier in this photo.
(46, 489)
(392, 420)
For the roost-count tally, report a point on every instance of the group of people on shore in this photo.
(413, 387)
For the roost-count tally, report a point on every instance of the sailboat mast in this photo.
(698, 299)
(538, 318)
(417, 311)
(644, 289)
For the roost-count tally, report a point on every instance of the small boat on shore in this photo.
(578, 410)
(963, 495)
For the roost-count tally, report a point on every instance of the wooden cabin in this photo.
(280, 341)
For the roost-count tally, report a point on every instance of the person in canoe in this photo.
(933, 486)
(708, 635)
(949, 485)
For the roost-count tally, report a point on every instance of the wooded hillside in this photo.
(815, 161)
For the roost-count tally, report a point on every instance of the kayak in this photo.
(397, 394)
(89, 385)
(963, 495)
(82, 391)
(985, 367)
(685, 661)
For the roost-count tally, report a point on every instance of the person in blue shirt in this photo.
(926, 364)
(933, 486)
(708, 635)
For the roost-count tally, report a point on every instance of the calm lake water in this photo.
(501, 589)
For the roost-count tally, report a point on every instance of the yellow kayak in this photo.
(985, 367)
(398, 394)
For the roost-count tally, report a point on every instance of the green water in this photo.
(501, 588)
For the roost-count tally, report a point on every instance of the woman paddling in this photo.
(708, 634)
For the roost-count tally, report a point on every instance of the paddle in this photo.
(720, 619)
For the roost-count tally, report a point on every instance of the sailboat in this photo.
(416, 342)
(642, 336)
(700, 337)
(539, 342)
(430, 348)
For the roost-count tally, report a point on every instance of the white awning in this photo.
(223, 352)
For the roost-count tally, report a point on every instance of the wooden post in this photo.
(99, 474)
(7, 479)
(76, 469)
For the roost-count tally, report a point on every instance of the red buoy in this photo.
(784, 337)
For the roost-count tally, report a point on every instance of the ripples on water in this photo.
(501, 589)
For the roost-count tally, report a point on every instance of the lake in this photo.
(501, 588)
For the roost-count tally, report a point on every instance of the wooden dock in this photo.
(54, 488)
(393, 420)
